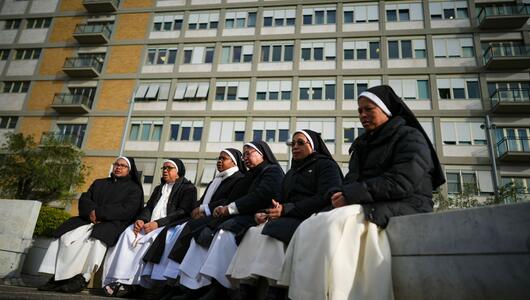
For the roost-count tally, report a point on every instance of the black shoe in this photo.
(74, 285)
(189, 294)
(275, 293)
(216, 292)
(51, 285)
(245, 292)
(170, 292)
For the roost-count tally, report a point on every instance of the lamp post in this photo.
(489, 126)
(126, 129)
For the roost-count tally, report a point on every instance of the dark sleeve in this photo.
(411, 163)
(86, 203)
(124, 210)
(329, 176)
(188, 197)
(145, 214)
(268, 188)
(228, 192)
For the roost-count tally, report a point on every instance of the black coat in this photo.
(389, 172)
(304, 192)
(116, 202)
(181, 202)
(154, 253)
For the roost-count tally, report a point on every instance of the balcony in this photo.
(510, 101)
(498, 57)
(71, 104)
(99, 6)
(512, 149)
(83, 67)
(63, 138)
(92, 33)
(503, 17)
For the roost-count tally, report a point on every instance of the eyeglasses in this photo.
(117, 165)
(248, 153)
(297, 142)
(169, 168)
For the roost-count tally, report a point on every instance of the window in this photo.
(361, 13)
(448, 10)
(279, 17)
(73, 133)
(38, 23)
(8, 122)
(521, 186)
(237, 54)
(198, 55)
(167, 23)
(512, 139)
(463, 133)
(15, 86)
(403, 12)
(317, 89)
(353, 88)
(186, 131)
(145, 131)
(83, 93)
(192, 91)
(326, 127)
(152, 91)
(273, 90)
(361, 50)
(458, 88)
(4, 54)
(318, 51)
(203, 21)
(240, 19)
(161, 56)
(509, 91)
(277, 53)
(453, 47)
(226, 131)
(319, 16)
(351, 129)
(406, 49)
(469, 181)
(12, 24)
(27, 54)
(411, 89)
(230, 91)
(270, 131)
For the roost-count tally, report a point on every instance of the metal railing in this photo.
(93, 28)
(504, 10)
(510, 96)
(82, 62)
(73, 139)
(70, 99)
(116, 3)
(506, 51)
(513, 144)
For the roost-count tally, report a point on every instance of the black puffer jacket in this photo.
(389, 172)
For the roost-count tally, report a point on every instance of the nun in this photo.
(393, 169)
(105, 210)
(207, 259)
(171, 202)
(230, 170)
(261, 252)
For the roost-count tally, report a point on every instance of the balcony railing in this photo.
(505, 16)
(507, 56)
(79, 67)
(514, 149)
(92, 33)
(72, 139)
(101, 5)
(511, 100)
(68, 103)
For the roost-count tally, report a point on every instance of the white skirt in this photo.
(257, 255)
(124, 261)
(338, 255)
(75, 252)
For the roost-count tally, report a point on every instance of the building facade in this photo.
(186, 78)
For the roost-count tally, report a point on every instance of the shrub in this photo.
(49, 220)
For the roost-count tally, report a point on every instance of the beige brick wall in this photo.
(137, 3)
(35, 126)
(42, 93)
(72, 5)
(63, 29)
(115, 94)
(53, 60)
(124, 59)
(105, 133)
(132, 26)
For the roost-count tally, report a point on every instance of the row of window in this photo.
(21, 54)
(35, 23)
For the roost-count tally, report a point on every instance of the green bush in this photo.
(49, 220)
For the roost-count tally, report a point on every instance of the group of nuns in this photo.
(307, 234)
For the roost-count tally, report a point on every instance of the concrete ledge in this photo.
(478, 253)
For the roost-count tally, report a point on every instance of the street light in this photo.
(489, 126)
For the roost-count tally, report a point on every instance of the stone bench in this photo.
(478, 253)
(17, 222)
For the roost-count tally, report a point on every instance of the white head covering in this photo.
(171, 162)
(126, 160)
(377, 101)
(308, 138)
(254, 146)
(231, 156)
